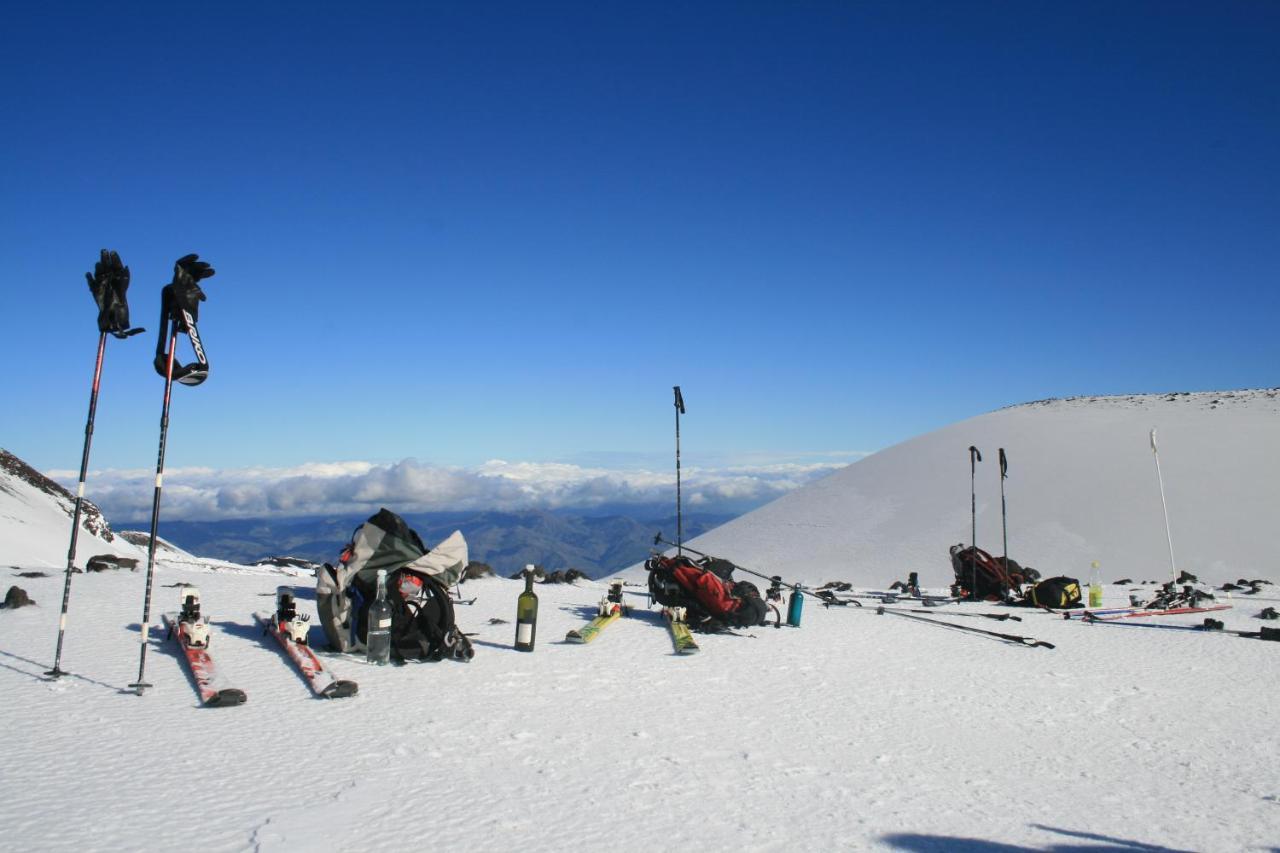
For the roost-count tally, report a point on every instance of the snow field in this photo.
(855, 731)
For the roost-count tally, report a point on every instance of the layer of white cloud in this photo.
(324, 488)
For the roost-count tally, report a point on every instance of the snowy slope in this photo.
(1082, 486)
(35, 522)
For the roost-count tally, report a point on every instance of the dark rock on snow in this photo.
(477, 569)
(16, 597)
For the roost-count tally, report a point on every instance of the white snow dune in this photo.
(1082, 486)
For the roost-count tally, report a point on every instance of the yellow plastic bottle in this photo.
(1095, 587)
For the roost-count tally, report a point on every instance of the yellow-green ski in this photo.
(592, 629)
(681, 636)
(611, 607)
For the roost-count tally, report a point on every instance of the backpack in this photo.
(1058, 593)
(980, 576)
(418, 583)
(712, 599)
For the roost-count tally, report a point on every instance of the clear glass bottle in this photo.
(1095, 586)
(377, 641)
(526, 614)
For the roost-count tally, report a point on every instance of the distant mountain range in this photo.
(596, 544)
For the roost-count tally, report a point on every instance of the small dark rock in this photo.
(286, 563)
(838, 586)
(16, 597)
(538, 574)
(477, 569)
(1269, 613)
(1124, 582)
(33, 574)
(104, 562)
(1186, 577)
(496, 621)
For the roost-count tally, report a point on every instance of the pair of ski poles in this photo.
(179, 310)
(975, 456)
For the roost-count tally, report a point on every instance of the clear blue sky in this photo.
(462, 231)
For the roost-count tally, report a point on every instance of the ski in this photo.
(1137, 613)
(191, 631)
(681, 636)
(1012, 639)
(830, 597)
(998, 617)
(290, 630)
(610, 609)
(1209, 626)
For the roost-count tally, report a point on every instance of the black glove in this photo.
(185, 290)
(108, 283)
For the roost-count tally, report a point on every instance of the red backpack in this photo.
(980, 576)
(707, 591)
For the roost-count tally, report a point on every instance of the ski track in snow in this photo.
(856, 731)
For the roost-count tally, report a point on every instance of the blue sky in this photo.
(458, 232)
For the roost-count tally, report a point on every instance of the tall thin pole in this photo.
(1173, 567)
(1004, 512)
(679, 402)
(145, 629)
(75, 518)
(974, 458)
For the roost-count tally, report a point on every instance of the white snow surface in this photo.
(854, 731)
(1082, 486)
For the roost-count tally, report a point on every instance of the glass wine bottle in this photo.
(378, 637)
(526, 614)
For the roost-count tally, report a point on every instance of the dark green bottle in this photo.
(526, 614)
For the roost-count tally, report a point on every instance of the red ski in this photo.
(290, 630)
(192, 636)
(1112, 615)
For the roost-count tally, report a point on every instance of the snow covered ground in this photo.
(854, 731)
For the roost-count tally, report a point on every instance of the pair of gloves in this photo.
(109, 282)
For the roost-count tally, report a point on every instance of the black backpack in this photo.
(418, 581)
(422, 617)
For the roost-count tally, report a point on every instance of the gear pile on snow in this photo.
(418, 583)
(712, 599)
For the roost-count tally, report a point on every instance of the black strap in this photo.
(176, 319)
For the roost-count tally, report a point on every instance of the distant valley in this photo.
(594, 544)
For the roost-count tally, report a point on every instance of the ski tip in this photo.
(341, 690)
(574, 637)
(226, 698)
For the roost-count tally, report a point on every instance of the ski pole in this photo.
(57, 670)
(1173, 568)
(145, 628)
(179, 305)
(1004, 512)
(1029, 642)
(974, 458)
(679, 514)
(108, 283)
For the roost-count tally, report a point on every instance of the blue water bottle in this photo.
(794, 607)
